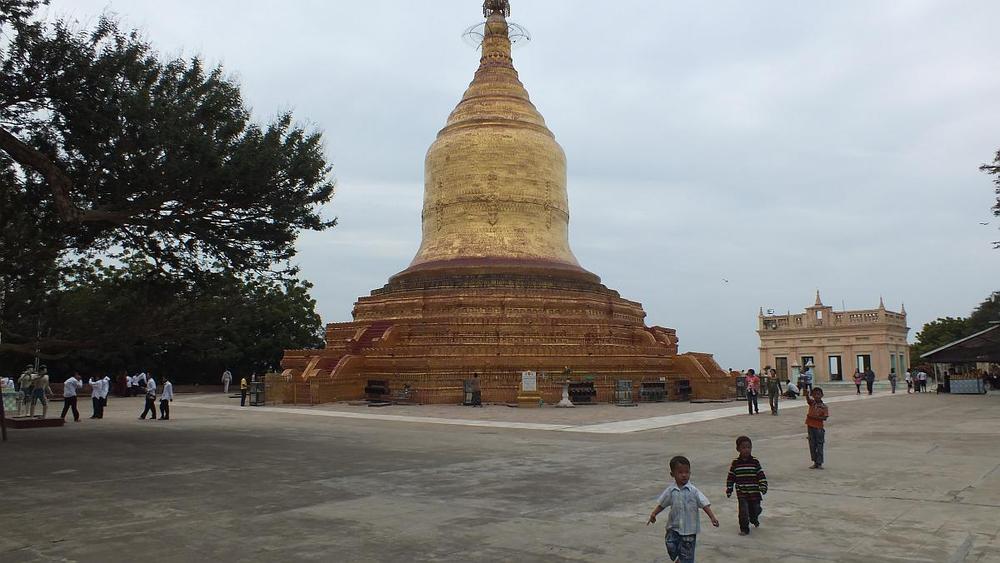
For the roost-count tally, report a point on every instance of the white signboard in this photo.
(529, 381)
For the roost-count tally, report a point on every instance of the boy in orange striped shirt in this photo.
(818, 413)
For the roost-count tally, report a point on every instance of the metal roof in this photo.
(983, 346)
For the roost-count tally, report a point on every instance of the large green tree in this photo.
(191, 328)
(109, 151)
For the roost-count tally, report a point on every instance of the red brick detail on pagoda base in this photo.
(435, 332)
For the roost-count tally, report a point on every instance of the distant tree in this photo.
(936, 334)
(108, 319)
(109, 152)
(993, 169)
(986, 312)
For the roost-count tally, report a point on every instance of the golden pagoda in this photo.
(494, 289)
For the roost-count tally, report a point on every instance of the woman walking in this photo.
(857, 380)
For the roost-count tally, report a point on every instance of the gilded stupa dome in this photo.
(495, 177)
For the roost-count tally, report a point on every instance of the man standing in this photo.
(165, 398)
(227, 377)
(70, 388)
(95, 396)
(922, 380)
(105, 391)
(773, 390)
(870, 379)
(150, 399)
(243, 391)
(892, 380)
(24, 383)
(40, 391)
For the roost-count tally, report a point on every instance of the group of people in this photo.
(745, 477)
(916, 382)
(775, 389)
(33, 387)
(227, 378)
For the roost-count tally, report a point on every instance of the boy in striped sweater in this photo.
(747, 476)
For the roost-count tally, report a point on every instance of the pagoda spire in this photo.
(819, 302)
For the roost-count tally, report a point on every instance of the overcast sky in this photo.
(782, 146)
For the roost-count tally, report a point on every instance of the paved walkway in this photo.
(618, 427)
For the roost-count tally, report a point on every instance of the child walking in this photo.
(817, 415)
(683, 522)
(747, 476)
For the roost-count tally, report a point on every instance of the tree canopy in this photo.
(939, 332)
(993, 169)
(123, 171)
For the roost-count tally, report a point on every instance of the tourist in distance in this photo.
(815, 419)
(95, 396)
(165, 397)
(909, 382)
(870, 379)
(227, 377)
(40, 391)
(892, 381)
(150, 407)
(24, 383)
(753, 389)
(683, 522)
(805, 381)
(791, 390)
(105, 391)
(70, 389)
(243, 391)
(857, 380)
(747, 476)
(922, 380)
(773, 390)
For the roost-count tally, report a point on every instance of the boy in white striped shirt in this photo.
(683, 522)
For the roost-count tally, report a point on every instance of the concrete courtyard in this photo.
(908, 478)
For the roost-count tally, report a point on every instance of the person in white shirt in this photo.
(105, 391)
(922, 381)
(227, 377)
(791, 390)
(150, 399)
(165, 398)
(96, 385)
(70, 388)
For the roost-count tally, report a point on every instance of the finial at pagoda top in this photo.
(819, 302)
(491, 7)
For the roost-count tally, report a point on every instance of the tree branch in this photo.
(58, 181)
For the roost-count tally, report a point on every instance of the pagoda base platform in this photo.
(422, 335)
(34, 422)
